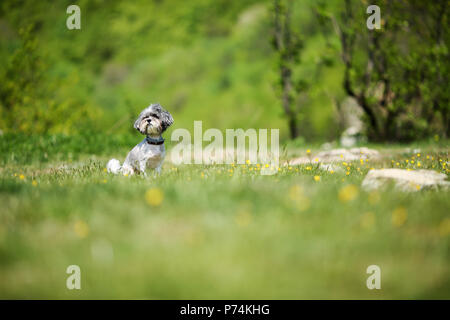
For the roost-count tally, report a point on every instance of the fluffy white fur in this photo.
(141, 157)
(113, 166)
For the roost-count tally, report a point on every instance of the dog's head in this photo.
(153, 120)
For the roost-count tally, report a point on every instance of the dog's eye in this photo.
(155, 116)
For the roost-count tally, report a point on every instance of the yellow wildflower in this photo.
(444, 227)
(154, 197)
(399, 216)
(243, 218)
(348, 193)
(81, 229)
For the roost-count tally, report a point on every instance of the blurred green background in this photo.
(215, 61)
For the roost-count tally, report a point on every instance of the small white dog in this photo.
(152, 122)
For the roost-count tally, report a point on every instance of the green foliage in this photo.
(398, 74)
(30, 100)
(202, 60)
(212, 60)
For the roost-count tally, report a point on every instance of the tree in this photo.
(398, 74)
(31, 101)
(287, 45)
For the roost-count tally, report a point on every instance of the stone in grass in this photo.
(348, 154)
(337, 155)
(405, 180)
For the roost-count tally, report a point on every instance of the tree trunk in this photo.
(293, 128)
(286, 46)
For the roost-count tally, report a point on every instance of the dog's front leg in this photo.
(142, 166)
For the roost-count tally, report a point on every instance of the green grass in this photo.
(214, 233)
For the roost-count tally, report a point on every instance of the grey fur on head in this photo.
(153, 120)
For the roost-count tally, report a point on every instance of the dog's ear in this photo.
(137, 123)
(166, 120)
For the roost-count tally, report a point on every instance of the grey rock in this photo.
(405, 180)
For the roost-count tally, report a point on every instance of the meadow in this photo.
(310, 68)
(215, 232)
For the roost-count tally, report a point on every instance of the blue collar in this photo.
(157, 141)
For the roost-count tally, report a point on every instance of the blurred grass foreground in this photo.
(313, 69)
(219, 231)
